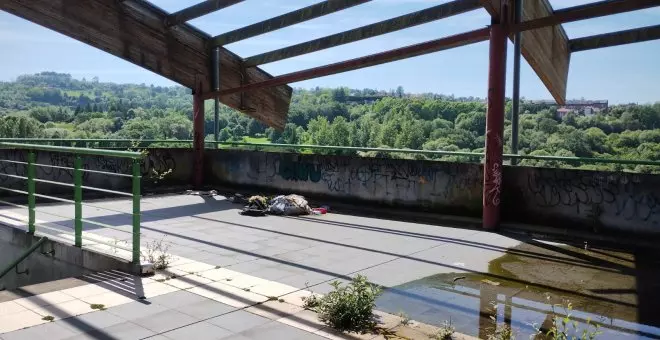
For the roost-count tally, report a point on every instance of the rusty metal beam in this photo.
(383, 27)
(587, 11)
(366, 61)
(284, 20)
(198, 10)
(615, 38)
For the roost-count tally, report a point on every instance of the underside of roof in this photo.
(162, 42)
(136, 31)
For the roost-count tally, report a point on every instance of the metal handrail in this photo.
(342, 148)
(24, 255)
(77, 185)
(441, 153)
(77, 151)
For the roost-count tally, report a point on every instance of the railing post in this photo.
(77, 198)
(136, 211)
(31, 174)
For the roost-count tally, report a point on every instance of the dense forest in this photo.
(54, 105)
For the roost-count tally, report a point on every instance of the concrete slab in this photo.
(239, 321)
(198, 331)
(230, 268)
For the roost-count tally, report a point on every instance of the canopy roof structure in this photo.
(166, 44)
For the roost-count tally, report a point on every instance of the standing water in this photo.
(535, 286)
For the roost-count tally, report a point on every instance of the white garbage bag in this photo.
(289, 205)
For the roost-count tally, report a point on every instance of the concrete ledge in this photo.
(55, 260)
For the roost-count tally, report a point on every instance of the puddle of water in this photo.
(531, 285)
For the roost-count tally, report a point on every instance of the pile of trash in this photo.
(285, 205)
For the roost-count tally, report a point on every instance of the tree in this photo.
(472, 121)
(254, 128)
(399, 91)
(238, 131)
(225, 135)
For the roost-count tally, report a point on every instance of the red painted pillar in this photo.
(494, 127)
(198, 137)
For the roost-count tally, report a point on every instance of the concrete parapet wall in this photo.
(562, 198)
(424, 185)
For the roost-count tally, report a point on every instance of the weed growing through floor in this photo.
(405, 319)
(565, 328)
(118, 243)
(97, 306)
(280, 300)
(157, 254)
(348, 307)
(446, 332)
(48, 318)
(502, 332)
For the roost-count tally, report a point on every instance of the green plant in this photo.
(446, 332)
(48, 318)
(565, 328)
(116, 243)
(153, 176)
(97, 306)
(502, 332)
(405, 319)
(348, 307)
(156, 254)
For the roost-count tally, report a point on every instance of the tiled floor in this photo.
(297, 251)
(129, 307)
(272, 256)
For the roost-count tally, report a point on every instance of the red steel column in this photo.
(198, 137)
(494, 127)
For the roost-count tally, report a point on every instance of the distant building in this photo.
(586, 107)
(562, 112)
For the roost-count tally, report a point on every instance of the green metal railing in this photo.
(155, 143)
(77, 185)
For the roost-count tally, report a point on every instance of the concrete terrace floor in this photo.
(302, 252)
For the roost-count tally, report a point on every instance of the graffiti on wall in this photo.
(354, 176)
(59, 166)
(12, 164)
(625, 195)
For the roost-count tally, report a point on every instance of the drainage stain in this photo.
(532, 285)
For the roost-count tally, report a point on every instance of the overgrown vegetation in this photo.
(405, 319)
(446, 332)
(156, 253)
(502, 332)
(565, 327)
(54, 105)
(347, 308)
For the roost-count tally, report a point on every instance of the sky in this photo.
(623, 74)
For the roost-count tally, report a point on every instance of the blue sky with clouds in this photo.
(629, 73)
